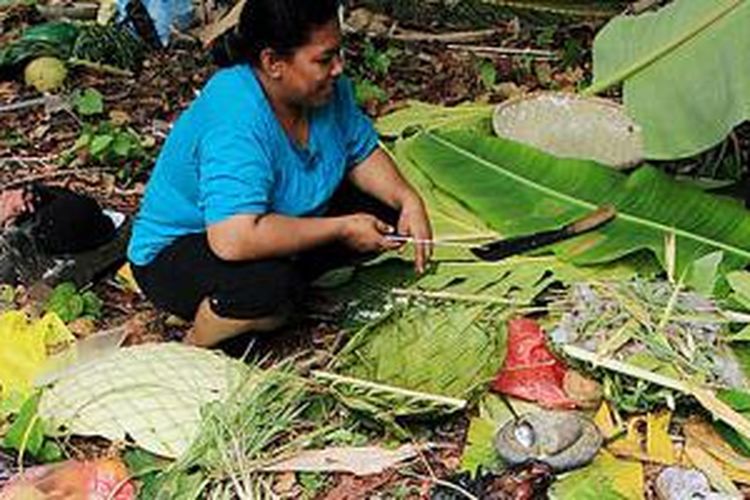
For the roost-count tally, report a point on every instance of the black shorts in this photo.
(187, 271)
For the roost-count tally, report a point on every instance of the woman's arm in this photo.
(255, 237)
(378, 176)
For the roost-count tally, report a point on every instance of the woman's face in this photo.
(308, 76)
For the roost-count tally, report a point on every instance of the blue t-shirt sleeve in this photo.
(359, 131)
(236, 176)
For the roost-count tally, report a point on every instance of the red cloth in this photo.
(530, 371)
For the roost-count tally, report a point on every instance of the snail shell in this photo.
(564, 440)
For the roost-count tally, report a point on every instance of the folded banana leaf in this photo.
(450, 350)
(53, 39)
(110, 45)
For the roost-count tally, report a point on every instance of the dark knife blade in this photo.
(500, 249)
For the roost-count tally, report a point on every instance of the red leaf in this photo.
(530, 370)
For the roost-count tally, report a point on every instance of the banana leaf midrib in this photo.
(660, 52)
(583, 203)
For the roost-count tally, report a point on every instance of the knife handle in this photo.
(593, 220)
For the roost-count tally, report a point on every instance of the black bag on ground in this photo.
(63, 227)
(64, 221)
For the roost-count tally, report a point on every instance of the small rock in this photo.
(82, 327)
(678, 483)
(586, 392)
(508, 90)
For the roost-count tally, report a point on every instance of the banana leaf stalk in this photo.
(386, 405)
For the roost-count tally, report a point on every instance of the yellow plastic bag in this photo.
(25, 347)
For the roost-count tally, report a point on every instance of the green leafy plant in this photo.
(377, 61)
(109, 144)
(366, 91)
(312, 483)
(487, 73)
(70, 304)
(89, 102)
(27, 434)
(375, 65)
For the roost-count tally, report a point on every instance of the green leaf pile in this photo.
(70, 305)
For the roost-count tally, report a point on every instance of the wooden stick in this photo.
(453, 37)
(17, 106)
(52, 175)
(101, 68)
(407, 292)
(507, 51)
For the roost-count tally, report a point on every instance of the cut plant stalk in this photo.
(706, 398)
(459, 297)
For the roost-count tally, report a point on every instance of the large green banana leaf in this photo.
(685, 72)
(516, 189)
(417, 115)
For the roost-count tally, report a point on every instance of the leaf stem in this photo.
(629, 71)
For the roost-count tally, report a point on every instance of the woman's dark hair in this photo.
(281, 25)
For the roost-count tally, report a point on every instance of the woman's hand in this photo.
(13, 203)
(415, 223)
(366, 233)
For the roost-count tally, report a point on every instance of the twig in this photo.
(440, 482)
(77, 10)
(102, 68)
(52, 175)
(507, 51)
(454, 37)
(18, 106)
(23, 159)
(407, 292)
